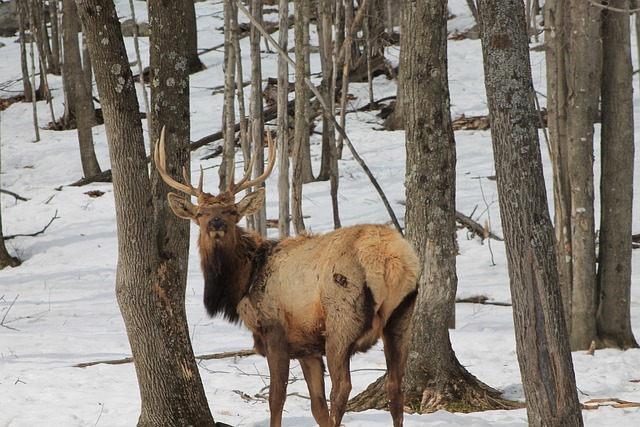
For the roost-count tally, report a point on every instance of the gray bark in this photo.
(541, 338)
(149, 285)
(284, 217)
(256, 112)
(229, 115)
(301, 125)
(555, 40)
(616, 185)
(80, 96)
(582, 101)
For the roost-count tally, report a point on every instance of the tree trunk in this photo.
(6, 260)
(151, 266)
(301, 125)
(556, 57)
(195, 64)
(434, 378)
(616, 184)
(329, 168)
(302, 114)
(22, 23)
(54, 66)
(284, 217)
(541, 338)
(583, 83)
(256, 112)
(84, 112)
(229, 114)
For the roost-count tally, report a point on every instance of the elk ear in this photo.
(251, 203)
(182, 207)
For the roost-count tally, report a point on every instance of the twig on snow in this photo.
(239, 353)
(55, 216)
(11, 193)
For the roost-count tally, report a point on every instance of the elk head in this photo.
(218, 215)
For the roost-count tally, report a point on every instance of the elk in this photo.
(304, 297)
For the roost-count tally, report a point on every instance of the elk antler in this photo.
(243, 184)
(161, 165)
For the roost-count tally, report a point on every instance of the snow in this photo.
(58, 308)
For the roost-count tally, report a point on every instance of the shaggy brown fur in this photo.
(306, 297)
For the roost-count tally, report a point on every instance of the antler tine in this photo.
(161, 164)
(244, 184)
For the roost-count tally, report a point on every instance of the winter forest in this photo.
(319, 212)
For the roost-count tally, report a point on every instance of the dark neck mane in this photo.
(229, 272)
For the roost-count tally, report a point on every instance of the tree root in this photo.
(459, 395)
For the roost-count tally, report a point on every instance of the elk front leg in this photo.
(313, 370)
(278, 360)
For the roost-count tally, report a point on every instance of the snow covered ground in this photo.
(58, 309)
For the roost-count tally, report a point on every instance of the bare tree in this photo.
(434, 378)
(81, 111)
(195, 64)
(152, 250)
(6, 260)
(228, 112)
(582, 102)
(301, 125)
(284, 216)
(616, 185)
(256, 112)
(555, 40)
(542, 342)
(329, 166)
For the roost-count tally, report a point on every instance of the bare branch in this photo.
(324, 106)
(11, 193)
(239, 353)
(613, 9)
(55, 216)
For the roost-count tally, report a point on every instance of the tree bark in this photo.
(301, 125)
(256, 112)
(22, 23)
(229, 114)
(541, 337)
(582, 101)
(195, 64)
(556, 57)
(329, 168)
(284, 217)
(82, 111)
(54, 66)
(149, 285)
(6, 260)
(616, 184)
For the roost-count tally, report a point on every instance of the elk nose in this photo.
(217, 224)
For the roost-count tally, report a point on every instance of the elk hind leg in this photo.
(396, 337)
(338, 363)
(313, 370)
(278, 361)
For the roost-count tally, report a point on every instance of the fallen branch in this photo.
(223, 355)
(482, 299)
(11, 193)
(475, 227)
(7, 312)
(104, 176)
(55, 216)
(612, 402)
